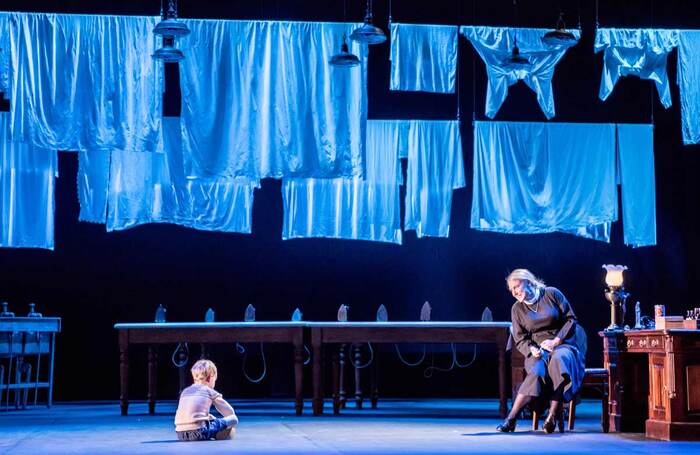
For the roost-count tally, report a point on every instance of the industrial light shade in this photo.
(368, 33)
(559, 36)
(344, 58)
(516, 61)
(168, 53)
(170, 28)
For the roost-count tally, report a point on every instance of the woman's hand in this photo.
(536, 352)
(549, 345)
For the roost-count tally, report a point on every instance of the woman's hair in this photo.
(203, 370)
(525, 275)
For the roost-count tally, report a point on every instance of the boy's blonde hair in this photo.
(203, 370)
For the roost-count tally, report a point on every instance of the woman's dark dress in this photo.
(564, 367)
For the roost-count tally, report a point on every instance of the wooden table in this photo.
(654, 382)
(323, 333)
(21, 337)
(153, 334)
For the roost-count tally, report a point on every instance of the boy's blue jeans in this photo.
(205, 433)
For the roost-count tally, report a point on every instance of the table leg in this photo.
(49, 400)
(298, 376)
(357, 362)
(152, 378)
(374, 381)
(503, 403)
(340, 355)
(337, 373)
(317, 377)
(123, 372)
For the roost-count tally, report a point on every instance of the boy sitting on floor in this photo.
(192, 419)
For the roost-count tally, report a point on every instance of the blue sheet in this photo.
(259, 99)
(636, 149)
(352, 208)
(532, 178)
(689, 84)
(434, 169)
(423, 58)
(84, 82)
(27, 183)
(128, 189)
(635, 52)
(494, 45)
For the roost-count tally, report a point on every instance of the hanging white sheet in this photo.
(636, 148)
(495, 44)
(635, 52)
(150, 188)
(532, 178)
(93, 185)
(259, 99)
(435, 168)
(27, 183)
(423, 58)
(81, 82)
(352, 208)
(4, 51)
(689, 84)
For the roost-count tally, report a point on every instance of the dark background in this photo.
(94, 279)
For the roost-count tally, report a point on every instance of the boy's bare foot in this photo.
(227, 433)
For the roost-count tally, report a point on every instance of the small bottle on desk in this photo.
(5, 312)
(32, 313)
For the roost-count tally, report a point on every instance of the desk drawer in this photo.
(646, 343)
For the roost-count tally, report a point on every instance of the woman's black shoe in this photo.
(507, 426)
(550, 423)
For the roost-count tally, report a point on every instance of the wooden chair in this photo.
(594, 378)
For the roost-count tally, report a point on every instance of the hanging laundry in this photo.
(423, 58)
(27, 185)
(435, 168)
(532, 178)
(270, 104)
(689, 84)
(93, 185)
(635, 52)
(636, 148)
(128, 189)
(84, 82)
(352, 208)
(4, 52)
(495, 45)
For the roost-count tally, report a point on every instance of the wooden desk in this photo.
(25, 336)
(654, 382)
(153, 334)
(405, 332)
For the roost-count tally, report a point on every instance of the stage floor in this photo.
(269, 427)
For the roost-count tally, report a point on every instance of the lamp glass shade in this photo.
(614, 277)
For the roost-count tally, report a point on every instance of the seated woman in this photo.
(544, 331)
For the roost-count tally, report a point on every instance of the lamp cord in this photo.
(242, 350)
(407, 363)
(186, 350)
(428, 373)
